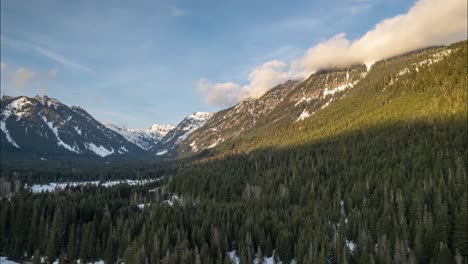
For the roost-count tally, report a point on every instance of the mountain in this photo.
(190, 124)
(44, 128)
(259, 122)
(145, 139)
(286, 103)
(158, 131)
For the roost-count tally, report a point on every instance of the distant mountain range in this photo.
(44, 128)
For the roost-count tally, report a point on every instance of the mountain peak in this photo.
(200, 115)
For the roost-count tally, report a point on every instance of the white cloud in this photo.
(21, 78)
(2, 66)
(24, 78)
(220, 94)
(427, 23)
(261, 79)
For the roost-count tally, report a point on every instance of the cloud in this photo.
(2, 66)
(177, 12)
(22, 45)
(60, 59)
(427, 23)
(42, 90)
(52, 74)
(261, 79)
(24, 78)
(21, 78)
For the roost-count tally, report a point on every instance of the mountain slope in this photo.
(44, 128)
(331, 101)
(189, 125)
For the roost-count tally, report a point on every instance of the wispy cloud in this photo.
(60, 59)
(21, 78)
(28, 46)
(420, 27)
(296, 23)
(178, 12)
(360, 8)
(24, 78)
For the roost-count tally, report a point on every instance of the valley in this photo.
(362, 164)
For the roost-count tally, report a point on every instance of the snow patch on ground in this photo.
(303, 115)
(162, 152)
(4, 260)
(143, 205)
(351, 245)
(59, 141)
(338, 89)
(305, 99)
(99, 150)
(6, 113)
(327, 104)
(232, 255)
(122, 150)
(174, 198)
(214, 144)
(50, 187)
(78, 130)
(434, 58)
(193, 145)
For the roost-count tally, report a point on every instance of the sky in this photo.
(137, 63)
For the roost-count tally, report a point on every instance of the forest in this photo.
(383, 181)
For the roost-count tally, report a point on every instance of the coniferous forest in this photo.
(377, 177)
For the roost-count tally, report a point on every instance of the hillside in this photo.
(418, 85)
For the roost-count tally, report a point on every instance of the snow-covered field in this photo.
(4, 260)
(38, 188)
(266, 260)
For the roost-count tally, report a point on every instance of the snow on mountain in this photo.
(137, 137)
(159, 131)
(187, 127)
(145, 139)
(44, 128)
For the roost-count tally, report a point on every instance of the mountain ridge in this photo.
(286, 105)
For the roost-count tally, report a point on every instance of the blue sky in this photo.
(138, 62)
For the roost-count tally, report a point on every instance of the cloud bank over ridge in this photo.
(427, 23)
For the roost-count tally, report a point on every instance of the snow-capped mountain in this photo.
(294, 102)
(190, 124)
(158, 131)
(290, 102)
(145, 139)
(44, 128)
(137, 137)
